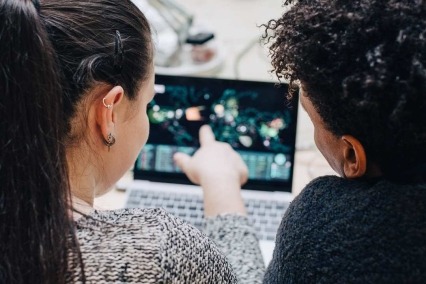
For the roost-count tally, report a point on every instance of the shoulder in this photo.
(331, 201)
(189, 256)
(148, 245)
(124, 222)
(327, 185)
(123, 245)
(127, 226)
(336, 227)
(331, 192)
(321, 191)
(340, 194)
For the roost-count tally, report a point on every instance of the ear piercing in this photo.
(109, 141)
(106, 105)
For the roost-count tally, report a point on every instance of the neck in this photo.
(80, 207)
(82, 177)
(373, 171)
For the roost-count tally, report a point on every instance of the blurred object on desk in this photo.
(181, 48)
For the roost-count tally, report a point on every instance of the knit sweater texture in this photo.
(152, 246)
(349, 231)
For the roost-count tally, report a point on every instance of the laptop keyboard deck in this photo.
(265, 215)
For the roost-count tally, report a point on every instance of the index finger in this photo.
(206, 135)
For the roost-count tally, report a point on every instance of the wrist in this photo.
(223, 196)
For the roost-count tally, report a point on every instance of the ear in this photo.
(105, 117)
(355, 159)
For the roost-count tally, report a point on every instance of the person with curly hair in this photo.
(361, 68)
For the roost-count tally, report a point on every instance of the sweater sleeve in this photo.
(236, 238)
(188, 256)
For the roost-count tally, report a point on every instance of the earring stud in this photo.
(108, 106)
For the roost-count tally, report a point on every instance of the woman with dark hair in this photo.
(64, 144)
(35, 223)
(361, 65)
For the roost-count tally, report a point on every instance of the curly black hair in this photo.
(362, 64)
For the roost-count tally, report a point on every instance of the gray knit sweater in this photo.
(152, 246)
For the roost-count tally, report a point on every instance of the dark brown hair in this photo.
(35, 224)
(98, 41)
(42, 81)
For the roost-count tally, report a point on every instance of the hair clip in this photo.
(36, 4)
(118, 52)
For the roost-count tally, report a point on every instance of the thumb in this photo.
(181, 160)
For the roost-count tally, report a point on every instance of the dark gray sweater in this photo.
(346, 231)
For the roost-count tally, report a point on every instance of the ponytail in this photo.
(35, 223)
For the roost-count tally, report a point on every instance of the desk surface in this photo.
(236, 27)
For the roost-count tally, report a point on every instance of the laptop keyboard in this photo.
(265, 215)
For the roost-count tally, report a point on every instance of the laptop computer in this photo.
(254, 117)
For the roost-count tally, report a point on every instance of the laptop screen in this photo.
(253, 117)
